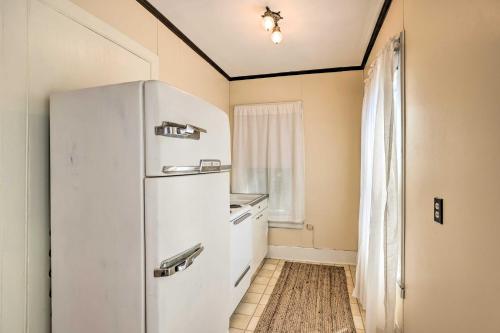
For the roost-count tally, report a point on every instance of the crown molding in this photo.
(378, 25)
(167, 23)
(310, 71)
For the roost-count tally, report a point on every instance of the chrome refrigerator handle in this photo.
(174, 130)
(179, 262)
(205, 166)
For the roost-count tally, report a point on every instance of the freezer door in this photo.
(181, 129)
(187, 253)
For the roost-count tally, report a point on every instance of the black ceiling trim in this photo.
(310, 71)
(376, 30)
(378, 25)
(156, 13)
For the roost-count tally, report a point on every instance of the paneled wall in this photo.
(13, 165)
(54, 45)
(48, 46)
(179, 65)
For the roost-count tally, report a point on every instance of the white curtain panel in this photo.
(380, 200)
(268, 157)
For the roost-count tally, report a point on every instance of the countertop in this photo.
(247, 198)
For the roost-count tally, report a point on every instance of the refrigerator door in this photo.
(187, 253)
(181, 129)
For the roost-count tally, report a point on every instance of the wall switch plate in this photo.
(438, 210)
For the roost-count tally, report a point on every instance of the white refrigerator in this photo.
(140, 232)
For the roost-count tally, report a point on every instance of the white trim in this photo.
(308, 254)
(77, 14)
(286, 225)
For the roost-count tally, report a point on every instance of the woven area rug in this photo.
(308, 298)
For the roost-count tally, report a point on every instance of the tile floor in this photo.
(247, 314)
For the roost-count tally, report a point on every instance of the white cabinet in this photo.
(259, 234)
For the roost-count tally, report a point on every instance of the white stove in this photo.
(241, 251)
(237, 210)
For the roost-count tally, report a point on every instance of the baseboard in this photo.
(306, 254)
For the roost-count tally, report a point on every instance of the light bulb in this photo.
(268, 22)
(276, 36)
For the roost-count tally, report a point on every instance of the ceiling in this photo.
(317, 34)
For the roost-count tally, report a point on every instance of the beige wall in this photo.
(453, 145)
(332, 125)
(453, 151)
(179, 65)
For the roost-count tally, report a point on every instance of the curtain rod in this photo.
(397, 47)
(270, 103)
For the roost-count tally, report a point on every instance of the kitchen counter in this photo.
(247, 199)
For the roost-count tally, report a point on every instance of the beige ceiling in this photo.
(316, 33)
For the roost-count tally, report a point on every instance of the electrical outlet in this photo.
(438, 210)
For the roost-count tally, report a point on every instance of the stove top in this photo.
(236, 210)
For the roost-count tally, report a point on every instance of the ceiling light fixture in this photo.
(270, 21)
(276, 36)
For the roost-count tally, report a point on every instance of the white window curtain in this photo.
(380, 219)
(268, 157)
